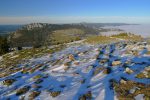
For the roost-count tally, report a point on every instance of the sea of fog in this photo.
(141, 29)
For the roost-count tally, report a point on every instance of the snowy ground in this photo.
(73, 73)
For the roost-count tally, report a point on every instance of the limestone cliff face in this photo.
(35, 25)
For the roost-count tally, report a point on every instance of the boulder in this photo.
(66, 68)
(146, 74)
(25, 70)
(102, 61)
(67, 64)
(35, 86)
(135, 53)
(122, 81)
(76, 63)
(133, 89)
(147, 68)
(80, 54)
(128, 62)
(22, 97)
(116, 63)
(128, 70)
(71, 57)
(76, 74)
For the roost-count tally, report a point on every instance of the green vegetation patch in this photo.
(128, 37)
(65, 36)
(100, 39)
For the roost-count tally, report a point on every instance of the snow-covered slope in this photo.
(82, 72)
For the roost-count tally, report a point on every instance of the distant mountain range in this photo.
(50, 34)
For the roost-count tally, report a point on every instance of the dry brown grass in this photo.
(122, 90)
(11, 60)
(100, 39)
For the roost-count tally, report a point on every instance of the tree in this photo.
(4, 47)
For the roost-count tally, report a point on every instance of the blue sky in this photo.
(71, 11)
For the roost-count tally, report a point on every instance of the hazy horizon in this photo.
(7, 24)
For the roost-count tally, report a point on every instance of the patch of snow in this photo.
(139, 97)
(101, 95)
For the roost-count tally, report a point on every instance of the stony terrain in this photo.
(117, 71)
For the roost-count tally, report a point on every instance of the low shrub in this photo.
(9, 82)
(37, 77)
(62, 86)
(38, 81)
(82, 81)
(86, 96)
(34, 94)
(55, 93)
(107, 70)
(97, 70)
(22, 90)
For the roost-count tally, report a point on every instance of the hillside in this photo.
(78, 71)
(42, 33)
